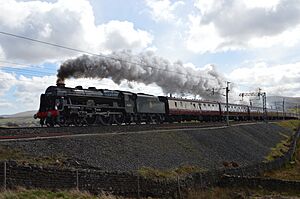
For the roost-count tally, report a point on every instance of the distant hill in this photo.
(21, 114)
(289, 102)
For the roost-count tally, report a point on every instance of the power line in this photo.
(94, 54)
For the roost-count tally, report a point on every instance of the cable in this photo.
(94, 54)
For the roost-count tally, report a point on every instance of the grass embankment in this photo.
(213, 193)
(44, 194)
(181, 171)
(7, 153)
(281, 148)
(240, 193)
(291, 171)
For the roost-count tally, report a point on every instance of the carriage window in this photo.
(208, 104)
(176, 104)
(194, 105)
(204, 104)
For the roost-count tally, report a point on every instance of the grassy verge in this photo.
(290, 124)
(291, 171)
(152, 173)
(7, 153)
(44, 194)
(239, 193)
(279, 150)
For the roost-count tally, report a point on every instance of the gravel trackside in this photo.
(205, 148)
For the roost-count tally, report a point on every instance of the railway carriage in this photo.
(256, 113)
(187, 109)
(236, 111)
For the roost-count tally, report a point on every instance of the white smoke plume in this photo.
(175, 78)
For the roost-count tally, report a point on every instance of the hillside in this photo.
(20, 114)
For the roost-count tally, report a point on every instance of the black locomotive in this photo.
(64, 106)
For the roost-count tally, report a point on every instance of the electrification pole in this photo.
(283, 109)
(227, 108)
(264, 96)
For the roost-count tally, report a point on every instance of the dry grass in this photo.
(7, 153)
(279, 150)
(239, 193)
(290, 124)
(291, 171)
(22, 193)
(152, 173)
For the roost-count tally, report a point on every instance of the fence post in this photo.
(4, 182)
(77, 180)
(138, 185)
(178, 185)
(201, 184)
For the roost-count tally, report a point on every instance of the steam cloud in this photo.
(146, 68)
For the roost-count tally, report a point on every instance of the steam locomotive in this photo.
(64, 106)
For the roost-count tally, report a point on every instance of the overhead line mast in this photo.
(227, 106)
(264, 100)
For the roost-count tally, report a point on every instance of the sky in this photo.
(252, 44)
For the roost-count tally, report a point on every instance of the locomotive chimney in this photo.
(60, 82)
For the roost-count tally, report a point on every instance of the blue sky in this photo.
(250, 43)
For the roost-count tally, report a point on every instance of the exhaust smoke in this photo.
(146, 68)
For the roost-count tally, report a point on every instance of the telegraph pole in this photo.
(227, 108)
(283, 108)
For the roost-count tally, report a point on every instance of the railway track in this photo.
(29, 133)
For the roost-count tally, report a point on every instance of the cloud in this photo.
(275, 80)
(122, 35)
(5, 104)
(7, 80)
(65, 22)
(163, 10)
(235, 24)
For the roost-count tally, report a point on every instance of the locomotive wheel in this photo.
(91, 120)
(150, 119)
(49, 122)
(119, 119)
(61, 121)
(105, 120)
(128, 119)
(158, 119)
(76, 121)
